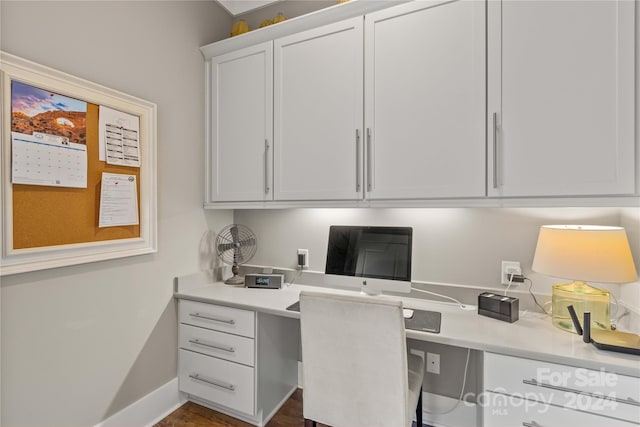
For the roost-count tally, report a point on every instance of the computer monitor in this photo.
(373, 259)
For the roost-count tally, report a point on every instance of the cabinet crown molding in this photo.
(325, 16)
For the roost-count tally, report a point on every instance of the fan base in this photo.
(234, 280)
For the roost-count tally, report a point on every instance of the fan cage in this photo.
(235, 244)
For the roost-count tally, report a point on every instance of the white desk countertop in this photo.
(532, 336)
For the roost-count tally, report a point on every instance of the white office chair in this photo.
(356, 370)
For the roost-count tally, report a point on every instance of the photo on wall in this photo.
(48, 138)
(35, 110)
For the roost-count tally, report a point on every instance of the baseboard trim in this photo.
(150, 409)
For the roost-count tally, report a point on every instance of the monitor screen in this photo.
(371, 252)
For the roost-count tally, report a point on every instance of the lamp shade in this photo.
(584, 252)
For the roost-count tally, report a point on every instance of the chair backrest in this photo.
(354, 360)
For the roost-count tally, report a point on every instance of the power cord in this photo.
(509, 285)
(521, 279)
(460, 304)
(297, 276)
(615, 318)
(464, 383)
(534, 297)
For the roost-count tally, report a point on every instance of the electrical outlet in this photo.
(433, 363)
(508, 268)
(303, 258)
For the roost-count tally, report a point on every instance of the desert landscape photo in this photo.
(38, 110)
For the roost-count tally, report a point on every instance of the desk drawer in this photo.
(218, 317)
(510, 411)
(218, 344)
(594, 391)
(218, 381)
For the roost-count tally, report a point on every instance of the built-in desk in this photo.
(532, 339)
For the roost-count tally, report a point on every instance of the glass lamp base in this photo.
(583, 298)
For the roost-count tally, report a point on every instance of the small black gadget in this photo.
(264, 281)
(498, 306)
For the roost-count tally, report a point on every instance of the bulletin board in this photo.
(46, 226)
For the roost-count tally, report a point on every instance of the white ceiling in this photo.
(236, 7)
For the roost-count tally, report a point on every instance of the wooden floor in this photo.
(194, 415)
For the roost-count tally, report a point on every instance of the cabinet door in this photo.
(425, 100)
(318, 113)
(240, 155)
(561, 98)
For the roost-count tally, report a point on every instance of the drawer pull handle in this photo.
(215, 319)
(531, 424)
(216, 346)
(628, 400)
(216, 383)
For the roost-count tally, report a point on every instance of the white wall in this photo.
(81, 343)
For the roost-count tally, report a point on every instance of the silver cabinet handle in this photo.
(495, 150)
(266, 166)
(215, 319)
(629, 400)
(531, 424)
(216, 383)
(369, 160)
(357, 160)
(211, 345)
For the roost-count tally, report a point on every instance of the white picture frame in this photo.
(13, 261)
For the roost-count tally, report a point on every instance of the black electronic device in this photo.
(264, 281)
(621, 342)
(498, 306)
(378, 258)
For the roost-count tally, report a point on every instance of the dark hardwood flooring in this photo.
(193, 415)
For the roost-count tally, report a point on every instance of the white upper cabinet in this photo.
(561, 98)
(241, 109)
(425, 102)
(318, 113)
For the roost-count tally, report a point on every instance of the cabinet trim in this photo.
(489, 202)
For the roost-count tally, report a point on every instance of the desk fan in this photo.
(235, 245)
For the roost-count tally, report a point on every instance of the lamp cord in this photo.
(534, 297)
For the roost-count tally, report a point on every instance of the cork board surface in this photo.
(49, 216)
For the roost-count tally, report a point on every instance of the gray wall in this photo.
(80, 343)
(461, 246)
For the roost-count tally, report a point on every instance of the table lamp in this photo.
(583, 253)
